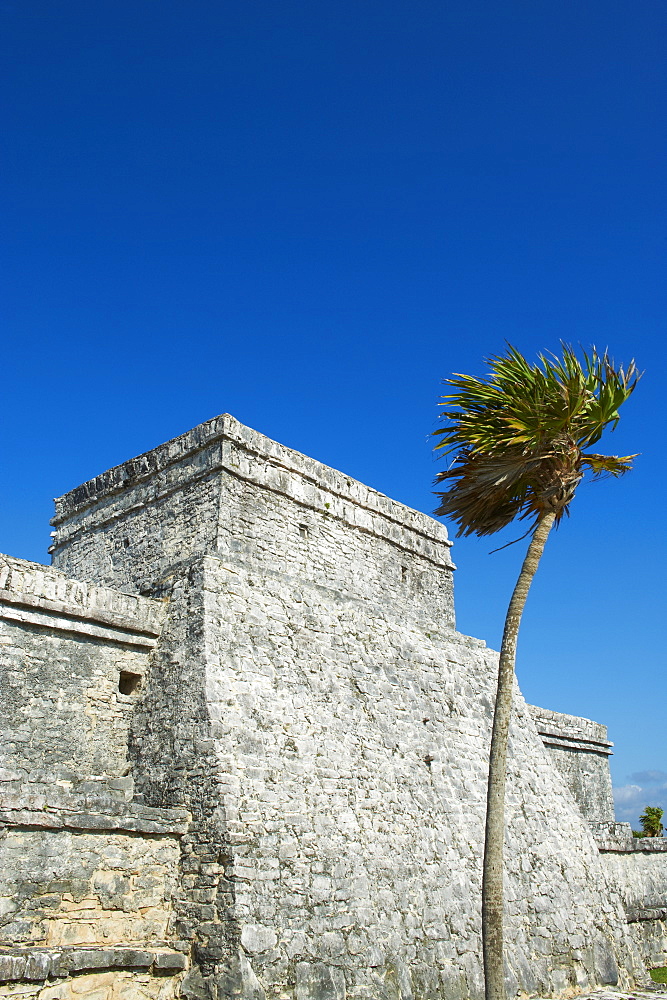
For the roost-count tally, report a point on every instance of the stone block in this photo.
(317, 981)
(170, 960)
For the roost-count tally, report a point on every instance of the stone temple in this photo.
(244, 754)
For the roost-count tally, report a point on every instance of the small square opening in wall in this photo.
(129, 683)
(303, 530)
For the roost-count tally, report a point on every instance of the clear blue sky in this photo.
(307, 214)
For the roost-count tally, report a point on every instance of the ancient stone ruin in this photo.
(244, 753)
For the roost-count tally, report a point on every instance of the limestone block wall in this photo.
(352, 754)
(335, 763)
(87, 890)
(87, 876)
(65, 647)
(175, 764)
(112, 889)
(256, 766)
(638, 867)
(101, 984)
(580, 750)
(312, 706)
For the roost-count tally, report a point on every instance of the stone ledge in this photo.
(573, 743)
(644, 990)
(90, 823)
(114, 814)
(571, 729)
(617, 838)
(35, 964)
(16, 611)
(94, 794)
(639, 913)
(649, 845)
(43, 590)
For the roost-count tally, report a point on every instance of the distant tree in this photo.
(650, 821)
(518, 440)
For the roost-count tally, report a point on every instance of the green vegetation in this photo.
(659, 975)
(650, 821)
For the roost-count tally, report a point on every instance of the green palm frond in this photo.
(608, 465)
(518, 436)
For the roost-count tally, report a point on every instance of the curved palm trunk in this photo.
(492, 879)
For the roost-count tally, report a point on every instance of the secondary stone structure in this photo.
(244, 754)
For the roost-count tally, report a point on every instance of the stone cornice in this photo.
(39, 595)
(573, 731)
(248, 455)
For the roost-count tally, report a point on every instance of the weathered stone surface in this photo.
(641, 875)
(72, 888)
(222, 488)
(170, 960)
(580, 749)
(272, 764)
(13, 966)
(116, 985)
(256, 938)
(317, 981)
(62, 717)
(37, 966)
(108, 958)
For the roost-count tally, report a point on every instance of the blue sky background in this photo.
(307, 214)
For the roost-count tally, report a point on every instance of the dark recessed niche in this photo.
(303, 530)
(128, 683)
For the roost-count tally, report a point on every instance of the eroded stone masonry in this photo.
(244, 753)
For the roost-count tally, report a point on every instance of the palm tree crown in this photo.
(520, 437)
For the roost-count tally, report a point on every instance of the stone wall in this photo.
(580, 750)
(65, 648)
(353, 757)
(256, 766)
(94, 888)
(104, 983)
(87, 876)
(638, 868)
(310, 658)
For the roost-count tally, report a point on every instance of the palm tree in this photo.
(650, 821)
(518, 440)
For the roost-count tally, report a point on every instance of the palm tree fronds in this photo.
(610, 465)
(486, 493)
(518, 436)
